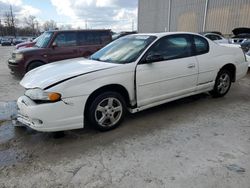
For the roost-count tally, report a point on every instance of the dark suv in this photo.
(58, 45)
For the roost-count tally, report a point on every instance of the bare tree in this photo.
(66, 27)
(31, 23)
(49, 25)
(10, 22)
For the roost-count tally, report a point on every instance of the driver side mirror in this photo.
(154, 58)
(54, 45)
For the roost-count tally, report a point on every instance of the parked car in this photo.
(248, 58)
(122, 34)
(241, 35)
(27, 44)
(58, 45)
(132, 73)
(20, 40)
(245, 45)
(216, 38)
(6, 42)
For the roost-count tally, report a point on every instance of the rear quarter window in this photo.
(94, 37)
(201, 45)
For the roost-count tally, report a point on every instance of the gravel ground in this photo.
(9, 84)
(194, 142)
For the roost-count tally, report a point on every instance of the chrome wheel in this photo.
(224, 83)
(108, 112)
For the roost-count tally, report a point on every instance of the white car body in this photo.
(147, 85)
(239, 46)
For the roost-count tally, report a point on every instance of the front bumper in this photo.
(16, 67)
(52, 117)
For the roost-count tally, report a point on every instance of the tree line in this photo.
(10, 25)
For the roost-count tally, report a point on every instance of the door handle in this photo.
(190, 66)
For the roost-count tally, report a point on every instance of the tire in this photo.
(34, 65)
(106, 111)
(222, 83)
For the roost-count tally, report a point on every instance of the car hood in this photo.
(25, 43)
(241, 30)
(27, 50)
(60, 71)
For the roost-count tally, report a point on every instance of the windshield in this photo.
(124, 50)
(43, 40)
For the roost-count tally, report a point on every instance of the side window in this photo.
(66, 39)
(211, 37)
(172, 47)
(89, 38)
(218, 37)
(82, 38)
(201, 45)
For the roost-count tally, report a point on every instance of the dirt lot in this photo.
(194, 142)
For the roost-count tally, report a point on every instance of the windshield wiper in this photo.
(95, 59)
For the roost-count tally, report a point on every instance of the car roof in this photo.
(162, 34)
(78, 30)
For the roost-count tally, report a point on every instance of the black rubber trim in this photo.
(59, 82)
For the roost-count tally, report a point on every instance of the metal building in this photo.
(193, 15)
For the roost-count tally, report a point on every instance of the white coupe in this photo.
(133, 73)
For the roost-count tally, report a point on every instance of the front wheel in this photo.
(34, 65)
(106, 111)
(222, 84)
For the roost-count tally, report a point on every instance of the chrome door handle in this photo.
(190, 66)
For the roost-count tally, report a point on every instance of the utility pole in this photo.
(12, 22)
(133, 24)
(86, 24)
(169, 14)
(205, 16)
(1, 27)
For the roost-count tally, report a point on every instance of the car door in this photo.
(167, 70)
(64, 46)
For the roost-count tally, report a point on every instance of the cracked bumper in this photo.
(52, 117)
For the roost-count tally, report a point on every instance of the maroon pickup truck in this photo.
(58, 45)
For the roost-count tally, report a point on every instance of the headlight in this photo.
(41, 95)
(17, 56)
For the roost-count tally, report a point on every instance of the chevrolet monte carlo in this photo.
(133, 73)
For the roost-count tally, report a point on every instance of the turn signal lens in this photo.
(54, 97)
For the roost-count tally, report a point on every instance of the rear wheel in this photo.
(222, 83)
(106, 111)
(34, 65)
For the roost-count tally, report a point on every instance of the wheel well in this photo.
(113, 87)
(232, 69)
(34, 61)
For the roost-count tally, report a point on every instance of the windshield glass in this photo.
(44, 39)
(124, 50)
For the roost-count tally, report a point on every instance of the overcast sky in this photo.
(114, 14)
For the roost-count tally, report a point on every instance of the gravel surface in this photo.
(194, 142)
(9, 84)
